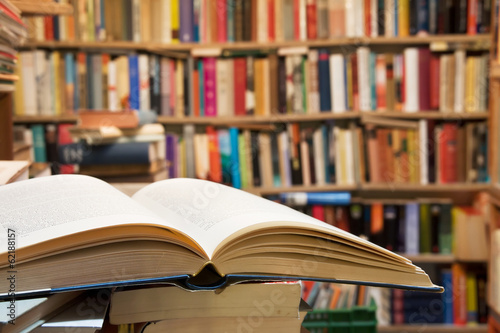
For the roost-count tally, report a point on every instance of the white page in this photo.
(210, 212)
(44, 208)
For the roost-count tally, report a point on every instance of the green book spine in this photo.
(39, 148)
(425, 229)
(445, 235)
(243, 161)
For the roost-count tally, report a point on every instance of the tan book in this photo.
(265, 158)
(181, 230)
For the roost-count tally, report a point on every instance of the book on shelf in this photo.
(219, 22)
(181, 218)
(319, 80)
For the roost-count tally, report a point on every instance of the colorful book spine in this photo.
(210, 94)
(235, 160)
(134, 97)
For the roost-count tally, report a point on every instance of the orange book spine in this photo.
(459, 286)
(472, 17)
(271, 24)
(215, 173)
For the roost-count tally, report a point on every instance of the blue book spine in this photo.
(76, 101)
(69, 76)
(186, 21)
(117, 153)
(396, 18)
(325, 103)
(412, 228)
(235, 158)
(225, 154)
(39, 147)
(90, 78)
(134, 98)
(196, 20)
(316, 198)
(230, 19)
(171, 144)
(56, 27)
(447, 297)
(326, 148)
(202, 87)
(423, 15)
(103, 14)
(373, 87)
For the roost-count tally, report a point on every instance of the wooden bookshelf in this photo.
(495, 70)
(481, 41)
(6, 134)
(44, 119)
(43, 7)
(301, 188)
(432, 115)
(460, 187)
(434, 328)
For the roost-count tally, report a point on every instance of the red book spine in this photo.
(368, 23)
(424, 58)
(240, 85)
(210, 87)
(381, 83)
(215, 173)
(296, 19)
(318, 212)
(459, 286)
(355, 89)
(11, 14)
(196, 93)
(312, 20)
(49, 27)
(221, 21)
(472, 17)
(398, 316)
(434, 83)
(271, 25)
(449, 151)
(64, 137)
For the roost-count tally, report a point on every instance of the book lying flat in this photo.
(77, 232)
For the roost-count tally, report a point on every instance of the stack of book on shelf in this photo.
(12, 33)
(121, 146)
(222, 21)
(195, 234)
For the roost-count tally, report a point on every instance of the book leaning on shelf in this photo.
(192, 232)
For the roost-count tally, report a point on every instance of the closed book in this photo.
(411, 80)
(296, 171)
(202, 155)
(319, 156)
(210, 94)
(224, 140)
(324, 81)
(377, 224)
(186, 21)
(119, 153)
(134, 97)
(144, 89)
(471, 14)
(220, 20)
(214, 155)
(155, 84)
(390, 227)
(338, 86)
(424, 79)
(225, 91)
(449, 153)
(382, 84)
(250, 87)
(422, 16)
(239, 79)
(447, 296)
(311, 18)
(120, 119)
(434, 88)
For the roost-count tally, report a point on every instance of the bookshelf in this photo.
(44, 7)
(441, 44)
(432, 328)
(6, 144)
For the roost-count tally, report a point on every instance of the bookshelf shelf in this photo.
(42, 7)
(464, 187)
(481, 41)
(431, 115)
(312, 188)
(44, 119)
(435, 328)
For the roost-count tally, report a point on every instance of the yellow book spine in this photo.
(57, 84)
(470, 74)
(472, 306)
(175, 20)
(179, 81)
(403, 18)
(18, 89)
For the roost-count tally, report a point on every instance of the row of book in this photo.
(339, 152)
(12, 33)
(462, 303)
(306, 81)
(410, 227)
(203, 21)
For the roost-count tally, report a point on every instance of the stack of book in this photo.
(219, 244)
(12, 33)
(124, 146)
(174, 21)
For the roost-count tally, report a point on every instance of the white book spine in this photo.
(350, 18)
(304, 160)
(349, 156)
(230, 84)
(302, 20)
(459, 106)
(339, 164)
(423, 151)
(136, 20)
(166, 24)
(29, 83)
(363, 53)
(285, 155)
(144, 96)
(313, 102)
(411, 80)
(338, 89)
(222, 87)
(39, 29)
(262, 21)
(112, 93)
(319, 157)
(389, 17)
(359, 18)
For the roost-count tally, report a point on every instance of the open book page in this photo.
(45, 208)
(210, 213)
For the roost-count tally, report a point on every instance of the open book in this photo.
(75, 232)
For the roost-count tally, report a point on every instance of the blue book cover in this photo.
(447, 296)
(90, 79)
(367, 220)
(316, 198)
(373, 83)
(186, 21)
(56, 27)
(102, 11)
(76, 100)
(116, 153)
(225, 155)
(230, 19)
(134, 98)
(412, 228)
(396, 18)
(423, 15)
(202, 87)
(196, 20)
(325, 103)
(326, 148)
(69, 77)
(39, 147)
(235, 158)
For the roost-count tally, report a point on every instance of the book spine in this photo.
(324, 81)
(210, 94)
(134, 98)
(186, 21)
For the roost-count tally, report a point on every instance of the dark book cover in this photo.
(342, 218)
(356, 219)
(250, 87)
(51, 148)
(391, 227)
(431, 150)
(275, 160)
(186, 21)
(422, 16)
(312, 160)
(367, 218)
(460, 7)
(445, 229)
(89, 79)
(154, 83)
(424, 60)
(425, 228)
(281, 85)
(254, 139)
(482, 305)
(330, 153)
(481, 155)
(324, 81)
(414, 17)
(435, 216)
(295, 155)
(381, 17)
(433, 16)
(486, 17)
(238, 20)
(401, 212)
(247, 20)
